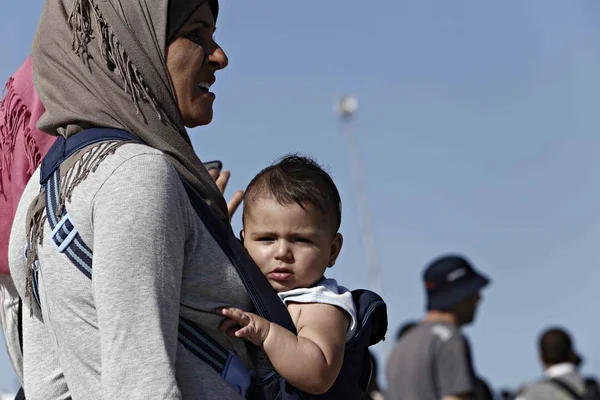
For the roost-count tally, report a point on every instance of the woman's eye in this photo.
(194, 37)
(200, 36)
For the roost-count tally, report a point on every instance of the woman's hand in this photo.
(221, 179)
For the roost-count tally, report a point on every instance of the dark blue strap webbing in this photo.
(64, 234)
(65, 237)
(202, 346)
(65, 148)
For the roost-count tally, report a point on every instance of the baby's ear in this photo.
(336, 247)
(242, 236)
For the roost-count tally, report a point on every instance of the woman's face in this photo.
(192, 60)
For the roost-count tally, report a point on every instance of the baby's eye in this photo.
(266, 239)
(302, 240)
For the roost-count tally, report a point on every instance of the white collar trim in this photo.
(559, 370)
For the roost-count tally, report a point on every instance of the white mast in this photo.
(346, 108)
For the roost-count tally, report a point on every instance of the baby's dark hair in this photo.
(301, 180)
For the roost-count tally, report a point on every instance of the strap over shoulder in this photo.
(565, 387)
(63, 148)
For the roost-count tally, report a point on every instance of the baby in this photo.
(292, 213)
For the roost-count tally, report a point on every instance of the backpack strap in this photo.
(223, 361)
(566, 388)
(65, 237)
(65, 148)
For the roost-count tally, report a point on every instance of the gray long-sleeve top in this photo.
(115, 336)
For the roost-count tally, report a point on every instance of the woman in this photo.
(144, 67)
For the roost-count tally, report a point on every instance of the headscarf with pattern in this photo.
(102, 63)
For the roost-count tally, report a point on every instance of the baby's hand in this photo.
(242, 324)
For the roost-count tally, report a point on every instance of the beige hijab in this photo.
(101, 63)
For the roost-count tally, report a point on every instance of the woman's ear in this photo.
(336, 247)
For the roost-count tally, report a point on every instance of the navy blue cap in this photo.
(449, 280)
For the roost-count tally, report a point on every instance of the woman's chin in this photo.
(199, 119)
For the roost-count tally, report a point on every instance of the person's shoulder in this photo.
(139, 161)
(534, 390)
(428, 334)
(544, 388)
(445, 332)
(131, 151)
(132, 171)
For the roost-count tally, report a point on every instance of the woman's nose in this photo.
(218, 59)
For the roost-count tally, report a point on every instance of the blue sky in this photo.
(477, 129)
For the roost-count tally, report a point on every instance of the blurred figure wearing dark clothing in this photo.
(432, 360)
(561, 364)
(405, 328)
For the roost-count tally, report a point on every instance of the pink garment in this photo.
(22, 148)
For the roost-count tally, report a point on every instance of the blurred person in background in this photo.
(22, 147)
(407, 326)
(561, 363)
(432, 360)
(592, 388)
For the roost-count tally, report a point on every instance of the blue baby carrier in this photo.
(264, 383)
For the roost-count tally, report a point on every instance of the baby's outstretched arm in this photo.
(310, 361)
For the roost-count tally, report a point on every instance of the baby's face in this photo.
(291, 246)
